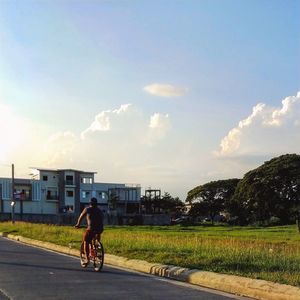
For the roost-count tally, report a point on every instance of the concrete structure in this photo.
(67, 191)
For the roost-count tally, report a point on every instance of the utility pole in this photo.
(13, 203)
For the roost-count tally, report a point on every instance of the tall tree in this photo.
(165, 204)
(271, 190)
(171, 205)
(211, 198)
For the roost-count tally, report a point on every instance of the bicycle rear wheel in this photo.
(99, 258)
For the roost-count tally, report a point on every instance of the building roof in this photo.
(59, 170)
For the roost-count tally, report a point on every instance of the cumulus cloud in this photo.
(266, 130)
(63, 141)
(102, 121)
(289, 112)
(159, 121)
(165, 90)
(158, 127)
(59, 147)
(127, 128)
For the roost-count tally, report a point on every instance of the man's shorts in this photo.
(90, 234)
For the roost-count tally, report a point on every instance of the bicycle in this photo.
(96, 254)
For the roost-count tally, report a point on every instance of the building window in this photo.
(102, 195)
(52, 194)
(85, 194)
(22, 192)
(45, 178)
(69, 179)
(87, 180)
(70, 193)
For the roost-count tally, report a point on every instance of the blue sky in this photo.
(169, 94)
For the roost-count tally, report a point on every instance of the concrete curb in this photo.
(253, 288)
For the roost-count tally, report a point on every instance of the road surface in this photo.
(32, 273)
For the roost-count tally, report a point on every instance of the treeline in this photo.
(269, 194)
(165, 204)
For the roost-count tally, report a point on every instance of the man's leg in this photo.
(86, 243)
(98, 236)
(82, 243)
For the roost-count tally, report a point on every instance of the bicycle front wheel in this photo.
(99, 258)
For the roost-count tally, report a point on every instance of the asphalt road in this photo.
(31, 273)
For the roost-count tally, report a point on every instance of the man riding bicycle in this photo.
(94, 219)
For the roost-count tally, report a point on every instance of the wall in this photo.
(159, 219)
(63, 219)
(32, 207)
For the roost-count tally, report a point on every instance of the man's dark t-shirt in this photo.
(95, 219)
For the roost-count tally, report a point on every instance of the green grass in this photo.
(270, 253)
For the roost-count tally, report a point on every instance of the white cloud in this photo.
(59, 147)
(127, 132)
(102, 121)
(159, 121)
(66, 137)
(158, 126)
(290, 111)
(123, 108)
(266, 130)
(165, 90)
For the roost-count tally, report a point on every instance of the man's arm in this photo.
(82, 215)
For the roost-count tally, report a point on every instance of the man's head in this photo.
(93, 201)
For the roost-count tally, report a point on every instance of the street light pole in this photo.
(13, 203)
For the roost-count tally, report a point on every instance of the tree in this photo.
(171, 205)
(211, 198)
(166, 204)
(147, 204)
(269, 191)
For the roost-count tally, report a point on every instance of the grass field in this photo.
(271, 253)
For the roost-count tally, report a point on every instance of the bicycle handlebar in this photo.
(81, 226)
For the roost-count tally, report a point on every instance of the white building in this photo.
(66, 191)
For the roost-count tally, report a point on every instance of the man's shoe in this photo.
(84, 262)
